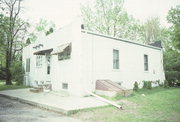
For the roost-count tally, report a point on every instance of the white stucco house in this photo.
(73, 59)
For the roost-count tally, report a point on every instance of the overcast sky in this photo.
(62, 12)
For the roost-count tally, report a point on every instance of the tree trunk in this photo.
(8, 73)
(8, 77)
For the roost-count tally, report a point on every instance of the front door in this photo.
(48, 68)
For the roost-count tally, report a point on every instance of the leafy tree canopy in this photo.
(42, 27)
(174, 18)
(109, 17)
(172, 52)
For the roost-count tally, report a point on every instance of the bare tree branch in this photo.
(18, 29)
(16, 13)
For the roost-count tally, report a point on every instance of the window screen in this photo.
(65, 85)
(28, 65)
(115, 59)
(145, 62)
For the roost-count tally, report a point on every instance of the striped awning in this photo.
(60, 48)
(43, 52)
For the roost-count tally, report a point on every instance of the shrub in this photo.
(149, 84)
(172, 77)
(144, 84)
(166, 84)
(136, 87)
(159, 83)
(17, 72)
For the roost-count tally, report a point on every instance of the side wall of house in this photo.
(27, 55)
(98, 62)
(36, 73)
(68, 71)
(63, 71)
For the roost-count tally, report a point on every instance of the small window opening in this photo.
(65, 85)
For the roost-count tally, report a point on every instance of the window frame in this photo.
(48, 70)
(65, 86)
(39, 60)
(146, 63)
(116, 59)
(28, 67)
(66, 54)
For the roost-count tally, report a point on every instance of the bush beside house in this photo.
(17, 72)
(136, 87)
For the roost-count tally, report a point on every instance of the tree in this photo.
(109, 17)
(151, 30)
(174, 18)
(42, 27)
(14, 31)
(45, 27)
(3, 29)
(172, 52)
(108, 14)
(172, 66)
(2, 38)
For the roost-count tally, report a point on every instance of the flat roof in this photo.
(119, 39)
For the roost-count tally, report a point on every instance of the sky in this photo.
(62, 12)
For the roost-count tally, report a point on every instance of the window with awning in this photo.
(63, 51)
(61, 48)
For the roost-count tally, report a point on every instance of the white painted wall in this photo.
(64, 71)
(98, 61)
(92, 59)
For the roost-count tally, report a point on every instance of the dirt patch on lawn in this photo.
(128, 106)
(101, 114)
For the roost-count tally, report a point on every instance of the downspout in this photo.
(93, 84)
(162, 67)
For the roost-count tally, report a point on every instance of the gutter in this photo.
(119, 39)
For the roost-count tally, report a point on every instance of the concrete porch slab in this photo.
(54, 101)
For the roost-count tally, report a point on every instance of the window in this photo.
(66, 54)
(145, 62)
(48, 70)
(48, 60)
(65, 85)
(115, 59)
(28, 65)
(38, 61)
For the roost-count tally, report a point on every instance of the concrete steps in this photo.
(105, 86)
(36, 89)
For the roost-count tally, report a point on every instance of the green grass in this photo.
(8, 87)
(158, 105)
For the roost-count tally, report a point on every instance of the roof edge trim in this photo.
(119, 39)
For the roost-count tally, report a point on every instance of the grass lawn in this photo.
(8, 87)
(158, 104)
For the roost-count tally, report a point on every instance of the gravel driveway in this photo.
(14, 111)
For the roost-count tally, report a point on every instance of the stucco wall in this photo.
(91, 60)
(98, 61)
(64, 71)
